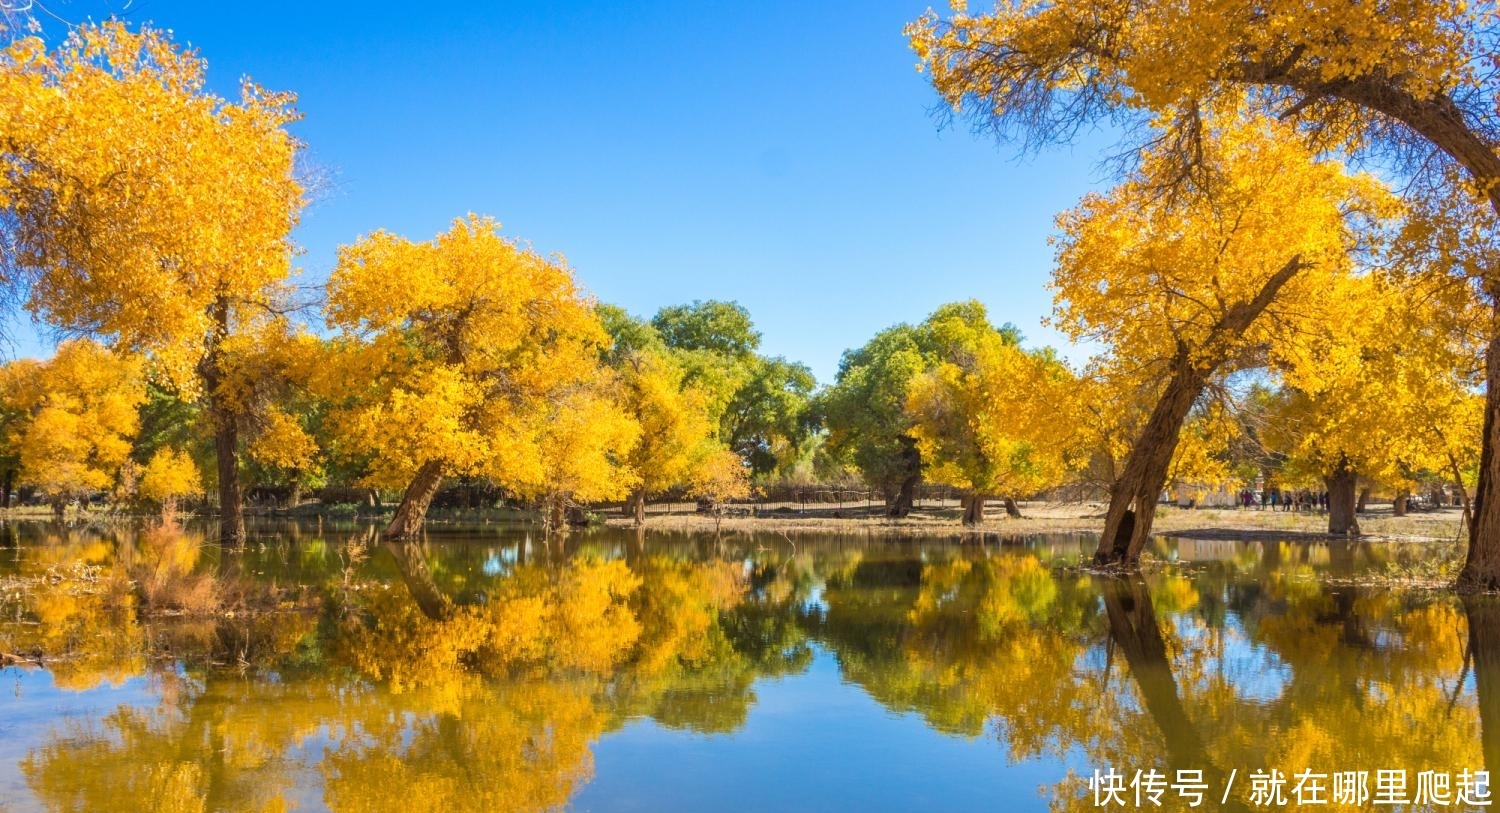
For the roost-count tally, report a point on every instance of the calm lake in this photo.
(486, 669)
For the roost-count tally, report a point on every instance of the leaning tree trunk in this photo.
(1341, 501)
(973, 505)
(1011, 509)
(407, 522)
(1133, 496)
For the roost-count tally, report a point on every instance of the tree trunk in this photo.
(1341, 502)
(226, 430)
(1364, 497)
(8, 486)
(1136, 491)
(1398, 505)
(911, 459)
(1482, 564)
(637, 505)
(407, 522)
(1011, 509)
(973, 505)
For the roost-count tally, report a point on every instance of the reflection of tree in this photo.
(1135, 634)
(1484, 652)
(498, 747)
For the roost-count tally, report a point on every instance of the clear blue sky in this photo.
(783, 155)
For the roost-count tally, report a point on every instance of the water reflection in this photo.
(482, 671)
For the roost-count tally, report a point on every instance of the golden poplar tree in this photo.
(146, 210)
(470, 355)
(1408, 82)
(1182, 287)
(73, 418)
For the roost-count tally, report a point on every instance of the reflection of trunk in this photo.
(1398, 505)
(973, 505)
(407, 522)
(1134, 630)
(1340, 558)
(1139, 485)
(411, 561)
(1482, 564)
(1341, 502)
(1011, 509)
(1484, 648)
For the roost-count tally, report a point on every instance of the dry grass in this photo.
(1048, 518)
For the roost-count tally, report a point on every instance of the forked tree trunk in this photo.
(1133, 496)
(1341, 503)
(407, 522)
(973, 505)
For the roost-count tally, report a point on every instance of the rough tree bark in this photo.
(1341, 502)
(1135, 492)
(1482, 565)
(973, 505)
(407, 521)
